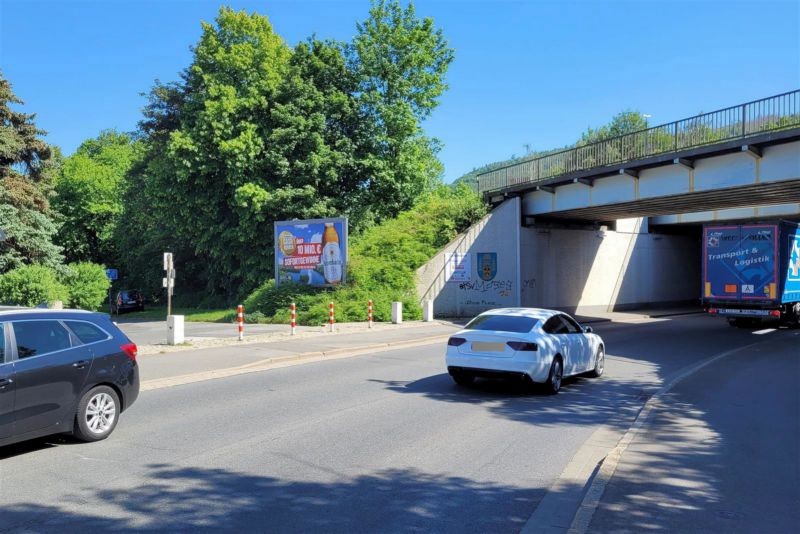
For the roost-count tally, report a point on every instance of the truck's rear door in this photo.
(740, 262)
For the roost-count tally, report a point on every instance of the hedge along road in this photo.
(376, 443)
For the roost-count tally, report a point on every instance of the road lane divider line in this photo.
(276, 362)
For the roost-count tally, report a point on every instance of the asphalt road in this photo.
(378, 443)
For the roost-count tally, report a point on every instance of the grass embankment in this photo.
(189, 314)
(382, 265)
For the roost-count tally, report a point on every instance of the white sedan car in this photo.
(542, 346)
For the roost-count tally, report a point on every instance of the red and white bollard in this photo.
(240, 317)
(330, 316)
(294, 318)
(369, 315)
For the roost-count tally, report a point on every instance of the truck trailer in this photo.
(751, 272)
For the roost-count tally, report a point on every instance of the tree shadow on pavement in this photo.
(582, 401)
(184, 499)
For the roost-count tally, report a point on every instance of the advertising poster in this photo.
(458, 267)
(311, 252)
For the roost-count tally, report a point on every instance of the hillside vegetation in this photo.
(382, 264)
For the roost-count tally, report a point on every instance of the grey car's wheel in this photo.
(98, 412)
(599, 363)
(463, 379)
(553, 384)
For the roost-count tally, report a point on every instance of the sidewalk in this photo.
(717, 454)
(158, 363)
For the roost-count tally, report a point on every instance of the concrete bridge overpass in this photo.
(616, 224)
(742, 156)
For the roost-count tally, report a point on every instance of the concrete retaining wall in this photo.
(479, 287)
(570, 269)
(604, 270)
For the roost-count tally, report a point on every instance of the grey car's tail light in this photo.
(456, 341)
(130, 350)
(522, 346)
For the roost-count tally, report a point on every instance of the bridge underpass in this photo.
(569, 233)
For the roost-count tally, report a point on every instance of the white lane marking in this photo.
(764, 331)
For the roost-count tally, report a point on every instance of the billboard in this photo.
(311, 252)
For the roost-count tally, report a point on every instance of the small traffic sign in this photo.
(112, 274)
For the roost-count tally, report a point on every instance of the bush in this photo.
(87, 285)
(31, 285)
(382, 264)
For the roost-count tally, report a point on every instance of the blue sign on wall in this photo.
(487, 265)
(112, 274)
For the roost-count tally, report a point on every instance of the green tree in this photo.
(622, 123)
(401, 62)
(87, 285)
(257, 132)
(27, 166)
(88, 197)
(31, 285)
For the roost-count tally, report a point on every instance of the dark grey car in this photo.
(63, 371)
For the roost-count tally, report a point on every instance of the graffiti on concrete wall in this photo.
(501, 288)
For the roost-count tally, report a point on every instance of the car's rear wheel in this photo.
(599, 363)
(463, 379)
(553, 384)
(98, 413)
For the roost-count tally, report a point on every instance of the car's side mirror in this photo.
(587, 330)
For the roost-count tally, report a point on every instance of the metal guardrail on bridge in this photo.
(738, 122)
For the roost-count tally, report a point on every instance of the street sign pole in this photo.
(169, 281)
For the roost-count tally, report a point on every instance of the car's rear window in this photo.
(502, 323)
(86, 332)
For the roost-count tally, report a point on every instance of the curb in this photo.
(286, 361)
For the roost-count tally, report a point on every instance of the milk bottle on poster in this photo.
(331, 255)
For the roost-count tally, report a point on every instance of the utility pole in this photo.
(169, 281)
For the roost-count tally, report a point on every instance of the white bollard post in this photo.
(330, 317)
(369, 315)
(175, 330)
(397, 312)
(294, 318)
(427, 310)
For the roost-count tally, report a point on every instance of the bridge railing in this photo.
(737, 122)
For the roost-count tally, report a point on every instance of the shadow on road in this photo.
(582, 401)
(183, 499)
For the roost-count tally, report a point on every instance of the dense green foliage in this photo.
(382, 264)
(31, 285)
(87, 285)
(78, 285)
(256, 132)
(27, 165)
(88, 197)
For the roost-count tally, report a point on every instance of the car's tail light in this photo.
(130, 350)
(712, 311)
(456, 341)
(522, 345)
(775, 313)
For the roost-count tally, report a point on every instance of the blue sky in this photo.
(525, 72)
